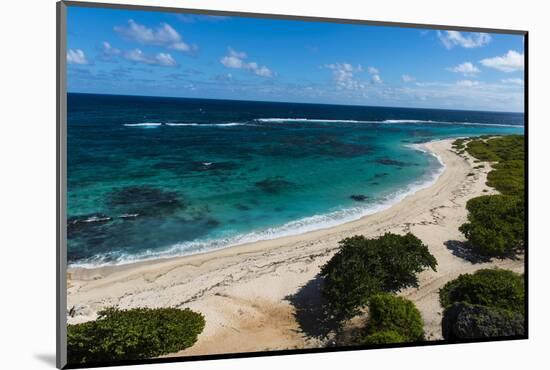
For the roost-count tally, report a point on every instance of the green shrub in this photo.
(363, 267)
(384, 337)
(495, 224)
(465, 321)
(138, 333)
(497, 288)
(393, 319)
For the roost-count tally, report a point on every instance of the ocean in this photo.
(152, 177)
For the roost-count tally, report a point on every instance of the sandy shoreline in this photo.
(259, 296)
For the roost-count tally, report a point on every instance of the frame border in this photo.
(61, 186)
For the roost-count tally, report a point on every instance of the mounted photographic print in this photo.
(234, 184)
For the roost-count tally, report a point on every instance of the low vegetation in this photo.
(133, 334)
(383, 337)
(393, 319)
(488, 303)
(508, 156)
(495, 224)
(365, 267)
(488, 287)
(508, 177)
(465, 321)
(497, 149)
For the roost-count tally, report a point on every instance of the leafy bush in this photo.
(138, 333)
(393, 319)
(383, 337)
(364, 267)
(497, 288)
(465, 321)
(495, 224)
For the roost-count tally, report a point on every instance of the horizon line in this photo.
(304, 103)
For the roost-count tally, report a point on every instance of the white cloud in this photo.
(137, 55)
(509, 62)
(108, 51)
(466, 68)
(165, 59)
(160, 59)
(373, 71)
(467, 83)
(466, 40)
(164, 35)
(513, 81)
(343, 75)
(76, 56)
(375, 79)
(407, 78)
(375, 76)
(237, 59)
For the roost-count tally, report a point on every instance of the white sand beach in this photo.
(255, 297)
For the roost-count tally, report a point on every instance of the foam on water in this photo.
(143, 124)
(157, 124)
(303, 225)
(227, 124)
(312, 120)
(309, 120)
(397, 121)
(387, 121)
(236, 184)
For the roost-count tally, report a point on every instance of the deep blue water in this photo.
(151, 177)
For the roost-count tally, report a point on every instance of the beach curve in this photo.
(244, 291)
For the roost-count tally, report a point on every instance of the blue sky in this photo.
(165, 54)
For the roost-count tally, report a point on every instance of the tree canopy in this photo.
(364, 267)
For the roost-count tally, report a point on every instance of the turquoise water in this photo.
(158, 177)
